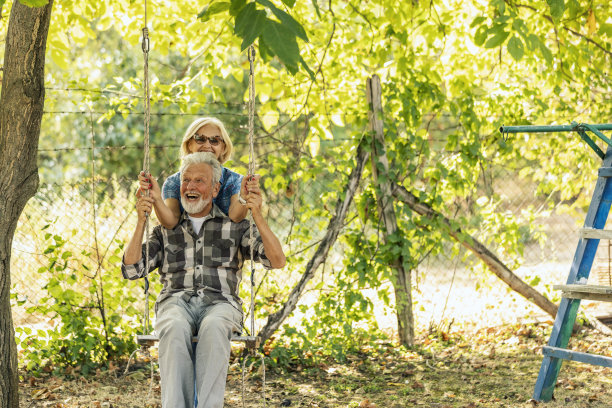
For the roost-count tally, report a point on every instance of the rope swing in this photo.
(147, 339)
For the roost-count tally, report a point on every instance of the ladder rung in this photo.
(592, 233)
(605, 172)
(151, 339)
(590, 292)
(577, 356)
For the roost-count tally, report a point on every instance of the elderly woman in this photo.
(203, 135)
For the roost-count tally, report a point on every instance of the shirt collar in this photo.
(214, 213)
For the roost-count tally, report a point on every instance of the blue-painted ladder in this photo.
(576, 287)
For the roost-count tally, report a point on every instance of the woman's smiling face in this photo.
(201, 141)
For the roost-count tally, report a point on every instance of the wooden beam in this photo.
(592, 233)
(587, 358)
(590, 292)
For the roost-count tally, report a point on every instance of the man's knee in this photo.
(172, 323)
(223, 321)
(215, 324)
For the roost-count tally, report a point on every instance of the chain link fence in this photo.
(96, 217)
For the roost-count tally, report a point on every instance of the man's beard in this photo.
(194, 208)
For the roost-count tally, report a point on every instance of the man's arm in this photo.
(272, 246)
(133, 251)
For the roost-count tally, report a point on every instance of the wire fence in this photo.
(86, 224)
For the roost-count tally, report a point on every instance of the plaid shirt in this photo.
(208, 264)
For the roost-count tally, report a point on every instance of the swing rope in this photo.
(252, 346)
(251, 173)
(146, 170)
(146, 164)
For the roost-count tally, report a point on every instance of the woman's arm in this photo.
(173, 205)
(238, 211)
(167, 211)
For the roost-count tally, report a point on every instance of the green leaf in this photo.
(481, 35)
(289, 3)
(32, 3)
(516, 48)
(250, 24)
(477, 21)
(532, 42)
(574, 8)
(500, 5)
(311, 74)
(265, 52)
(212, 9)
(546, 53)
(316, 6)
(520, 27)
(287, 21)
(534, 281)
(283, 44)
(557, 7)
(114, 259)
(236, 6)
(497, 39)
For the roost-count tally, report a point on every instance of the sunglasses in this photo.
(214, 141)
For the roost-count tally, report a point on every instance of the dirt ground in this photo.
(492, 367)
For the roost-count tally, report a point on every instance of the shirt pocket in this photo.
(223, 253)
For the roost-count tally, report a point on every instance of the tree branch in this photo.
(574, 32)
(335, 225)
(487, 257)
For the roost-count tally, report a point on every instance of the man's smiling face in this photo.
(197, 190)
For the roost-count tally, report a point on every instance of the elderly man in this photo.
(200, 265)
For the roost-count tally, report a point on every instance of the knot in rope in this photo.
(145, 40)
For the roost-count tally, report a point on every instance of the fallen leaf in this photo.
(417, 385)
(41, 394)
(366, 404)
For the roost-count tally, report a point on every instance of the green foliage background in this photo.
(452, 73)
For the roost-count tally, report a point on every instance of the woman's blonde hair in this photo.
(196, 125)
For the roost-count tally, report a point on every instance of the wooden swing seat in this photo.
(149, 340)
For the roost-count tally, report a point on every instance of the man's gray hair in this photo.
(203, 158)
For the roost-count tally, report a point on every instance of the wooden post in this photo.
(401, 276)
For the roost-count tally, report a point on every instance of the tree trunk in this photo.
(335, 225)
(400, 274)
(21, 109)
(495, 265)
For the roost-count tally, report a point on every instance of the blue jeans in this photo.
(181, 366)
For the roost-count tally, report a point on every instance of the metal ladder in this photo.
(576, 287)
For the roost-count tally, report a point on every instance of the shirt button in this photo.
(199, 242)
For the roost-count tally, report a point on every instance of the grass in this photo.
(496, 368)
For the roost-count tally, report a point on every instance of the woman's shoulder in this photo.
(229, 175)
(172, 180)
